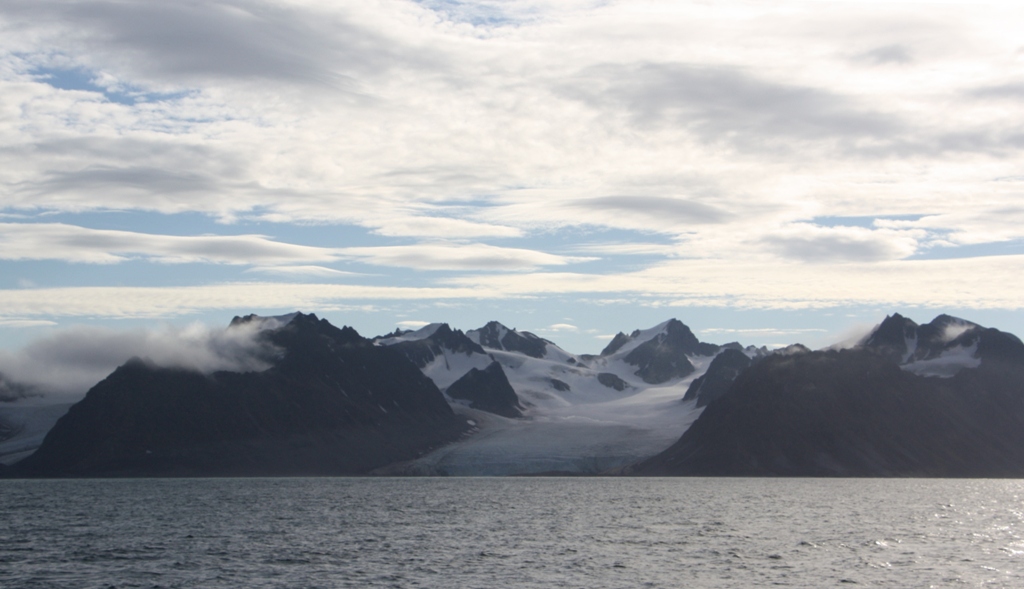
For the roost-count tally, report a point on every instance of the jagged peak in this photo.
(617, 342)
(894, 330)
(268, 322)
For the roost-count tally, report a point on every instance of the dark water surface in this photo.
(497, 532)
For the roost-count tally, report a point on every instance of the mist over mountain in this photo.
(67, 363)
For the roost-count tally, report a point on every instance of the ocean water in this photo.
(511, 532)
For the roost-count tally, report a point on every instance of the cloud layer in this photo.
(771, 155)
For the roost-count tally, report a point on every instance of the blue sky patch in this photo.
(867, 222)
(83, 80)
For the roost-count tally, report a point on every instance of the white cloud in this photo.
(767, 283)
(314, 271)
(560, 327)
(762, 331)
(440, 227)
(626, 249)
(70, 361)
(57, 241)
(804, 241)
(26, 323)
(410, 324)
(454, 256)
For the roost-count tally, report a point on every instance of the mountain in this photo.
(942, 347)
(660, 354)
(332, 403)
(869, 411)
(496, 336)
(945, 398)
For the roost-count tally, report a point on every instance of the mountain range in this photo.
(941, 399)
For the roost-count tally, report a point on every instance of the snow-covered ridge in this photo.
(409, 336)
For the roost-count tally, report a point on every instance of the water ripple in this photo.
(528, 533)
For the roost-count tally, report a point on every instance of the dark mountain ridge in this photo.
(858, 412)
(332, 404)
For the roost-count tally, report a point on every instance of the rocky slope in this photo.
(487, 390)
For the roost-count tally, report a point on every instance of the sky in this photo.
(767, 172)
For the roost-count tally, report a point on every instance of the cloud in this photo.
(996, 222)
(440, 227)
(626, 249)
(727, 104)
(514, 124)
(412, 324)
(78, 172)
(315, 271)
(887, 54)
(57, 241)
(26, 323)
(762, 331)
(1008, 91)
(454, 256)
(68, 362)
(157, 302)
(765, 282)
(813, 243)
(189, 42)
(654, 208)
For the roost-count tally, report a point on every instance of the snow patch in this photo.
(449, 367)
(948, 363)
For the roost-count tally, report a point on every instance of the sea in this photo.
(492, 533)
